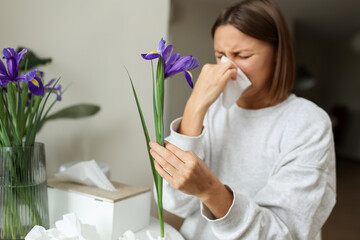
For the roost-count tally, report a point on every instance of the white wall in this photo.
(89, 42)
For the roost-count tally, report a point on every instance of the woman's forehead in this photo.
(232, 39)
(229, 38)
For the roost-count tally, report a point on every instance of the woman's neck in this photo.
(257, 103)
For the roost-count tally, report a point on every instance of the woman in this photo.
(264, 168)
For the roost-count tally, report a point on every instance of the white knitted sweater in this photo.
(278, 161)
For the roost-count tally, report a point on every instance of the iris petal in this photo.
(189, 78)
(179, 66)
(189, 63)
(35, 82)
(6, 53)
(30, 75)
(194, 64)
(161, 46)
(3, 69)
(151, 55)
(173, 58)
(13, 68)
(4, 80)
(13, 53)
(56, 89)
(167, 52)
(50, 82)
(20, 79)
(21, 53)
(35, 86)
(169, 64)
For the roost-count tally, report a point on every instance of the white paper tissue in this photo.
(88, 173)
(69, 228)
(234, 88)
(128, 235)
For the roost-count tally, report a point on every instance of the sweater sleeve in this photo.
(299, 194)
(175, 201)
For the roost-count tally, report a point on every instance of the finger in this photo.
(164, 174)
(231, 73)
(166, 154)
(163, 163)
(179, 153)
(226, 66)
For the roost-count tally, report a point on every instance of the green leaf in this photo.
(2, 107)
(31, 135)
(17, 139)
(11, 88)
(32, 60)
(23, 98)
(146, 133)
(75, 111)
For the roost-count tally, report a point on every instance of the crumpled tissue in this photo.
(88, 173)
(234, 88)
(128, 235)
(69, 228)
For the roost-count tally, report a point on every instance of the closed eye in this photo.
(244, 56)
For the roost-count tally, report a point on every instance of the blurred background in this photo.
(90, 41)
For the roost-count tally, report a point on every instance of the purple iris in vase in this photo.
(11, 74)
(48, 87)
(56, 89)
(173, 63)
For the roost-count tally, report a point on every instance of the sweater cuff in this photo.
(236, 215)
(186, 143)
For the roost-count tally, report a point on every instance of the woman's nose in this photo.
(231, 57)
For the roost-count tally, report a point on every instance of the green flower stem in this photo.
(23, 98)
(160, 207)
(2, 109)
(14, 134)
(12, 100)
(159, 128)
(29, 130)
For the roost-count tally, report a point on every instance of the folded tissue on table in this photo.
(88, 173)
(69, 228)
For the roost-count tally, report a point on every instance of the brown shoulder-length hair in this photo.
(263, 20)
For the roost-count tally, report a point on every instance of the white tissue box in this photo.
(112, 213)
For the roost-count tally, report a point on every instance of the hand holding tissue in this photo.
(88, 173)
(234, 88)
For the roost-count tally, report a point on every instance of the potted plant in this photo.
(24, 109)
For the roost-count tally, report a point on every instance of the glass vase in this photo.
(23, 190)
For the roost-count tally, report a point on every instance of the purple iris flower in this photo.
(47, 88)
(56, 90)
(173, 64)
(11, 74)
